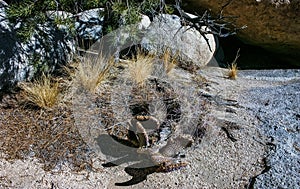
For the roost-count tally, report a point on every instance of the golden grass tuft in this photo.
(42, 93)
(89, 74)
(141, 68)
(233, 69)
(168, 61)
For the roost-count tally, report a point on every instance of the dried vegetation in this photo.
(233, 69)
(42, 93)
(47, 133)
(169, 61)
(140, 68)
(50, 134)
(89, 73)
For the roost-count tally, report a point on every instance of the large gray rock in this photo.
(166, 31)
(47, 48)
(271, 24)
(89, 24)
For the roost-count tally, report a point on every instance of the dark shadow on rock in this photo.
(252, 57)
(113, 148)
(138, 174)
(8, 49)
(126, 154)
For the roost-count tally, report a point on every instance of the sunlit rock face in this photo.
(166, 32)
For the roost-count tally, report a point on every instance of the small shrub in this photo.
(42, 93)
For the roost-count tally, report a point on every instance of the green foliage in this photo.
(126, 12)
(31, 13)
(129, 13)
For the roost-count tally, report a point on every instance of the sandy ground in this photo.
(217, 161)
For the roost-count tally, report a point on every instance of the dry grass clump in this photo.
(89, 74)
(42, 93)
(233, 69)
(141, 68)
(232, 72)
(168, 61)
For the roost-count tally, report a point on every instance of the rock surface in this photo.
(277, 108)
(164, 32)
(273, 25)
